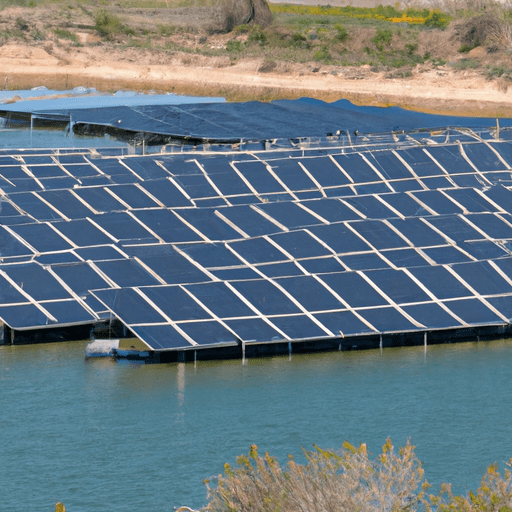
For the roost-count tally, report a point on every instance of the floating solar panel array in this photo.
(195, 250)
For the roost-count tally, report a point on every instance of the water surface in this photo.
(143, 437)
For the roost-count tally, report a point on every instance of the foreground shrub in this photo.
(330, 481)
(346, 481)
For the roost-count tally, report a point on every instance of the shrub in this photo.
(322, 55)
(328, 481)
(234, 46)
(436, 19)
(382, 38)
(66, 34)
(341, 33)
(258, 36)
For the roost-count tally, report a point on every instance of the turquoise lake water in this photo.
(144, 437)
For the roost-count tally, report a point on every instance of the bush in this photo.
(322, 55)
(329, 481)
(382, 38)
(348, 480)
(234, 46)
(341, 33)
(436, 19)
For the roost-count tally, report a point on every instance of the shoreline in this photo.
(434, 90)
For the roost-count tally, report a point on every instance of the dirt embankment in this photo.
(61, 63)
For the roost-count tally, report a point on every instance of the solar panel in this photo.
(201, 250)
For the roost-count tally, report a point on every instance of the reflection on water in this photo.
(95, 432)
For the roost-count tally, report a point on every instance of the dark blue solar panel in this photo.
(220, 300)
(257, 175)
(472, 311)
(451, 159)
(146, 168)
(82, 233)
(32, 205)
(366, 261)
(99, 253)
(173, 268)
(81, 170)
(292, 175)
(483, 250)
(343, 323)
(471, 200)
(196, 186)
(505, 150)
(340, 238)
(387, 320)
(503, 305)
(421, 164)
(405, 258)
(440, 282)
(378, 235)
(501, 196)
(279, 270)
(80, 277)
(357, 168)
(208, 223)
(299, 327)
(483, 278)
(389, 165)
(9, 294)
(225, 177)
(331, 210)
(266, 297)
(419, 233)
(24, 316)
(46, 171)
(455, 228)
(249, 220)
(133, 196)
(310, 293)
(160, 337)
(126, 273)
(446, 255)
(432, 316)
(492, 225)
(322, 265)
(11, 246)
(483, 157)
(36, 281)
(235, 274)
(125, 228)
(99, 199)
(68, 312)
(405, 204)
(129, 306)
(468, 180)
(325, 172)
(299, 244)
(58, 183)
(209, 333)
(289, 214)
(353, 289)
(166, 193)
(254, 330)
(257, 250)
(165, 225)
(397, 286)
(42, 237)
(66, 203)
(370, 207)
(175, 303)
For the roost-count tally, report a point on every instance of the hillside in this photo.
(461, 65)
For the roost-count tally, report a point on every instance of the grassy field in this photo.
(463, 36)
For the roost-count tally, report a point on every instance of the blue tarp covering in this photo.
(219, 121)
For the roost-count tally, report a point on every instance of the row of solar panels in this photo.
(268, 268)
(185, 180)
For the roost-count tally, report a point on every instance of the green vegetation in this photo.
(387, 38)
(348, 480)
